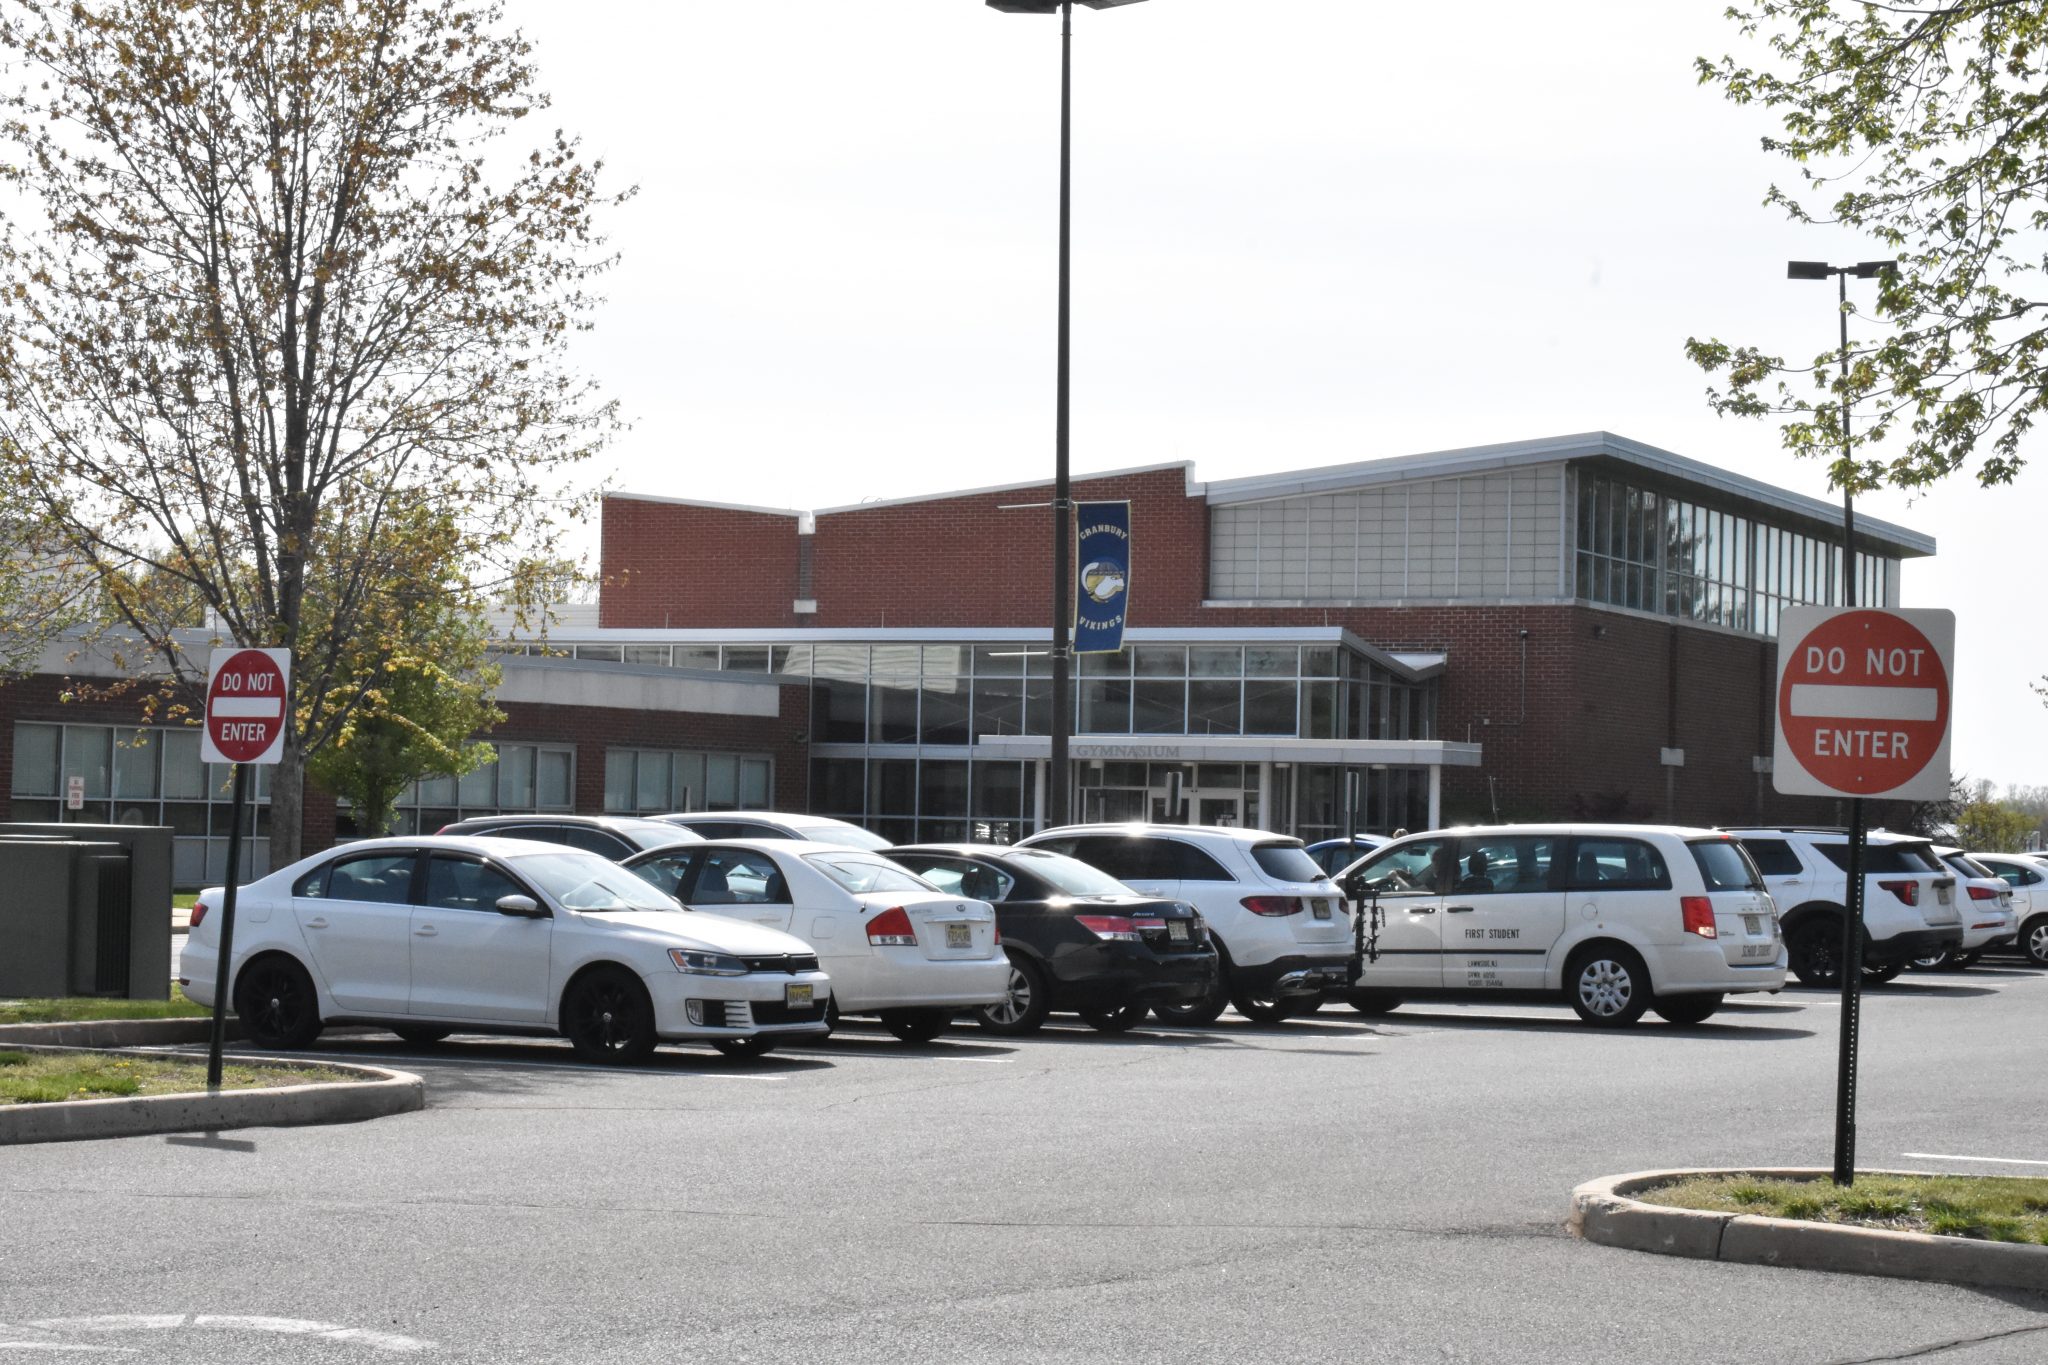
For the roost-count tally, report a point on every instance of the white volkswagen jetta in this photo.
(896, 945)
(429, 935)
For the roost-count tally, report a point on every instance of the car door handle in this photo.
(1458, 910)
(1428, 911)
(317, 922)
(427, 931)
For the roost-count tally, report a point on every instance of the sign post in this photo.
(248, 697)
(1863, 711)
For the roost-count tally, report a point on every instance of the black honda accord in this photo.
(1077, 938)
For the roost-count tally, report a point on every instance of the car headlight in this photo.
(706, 964)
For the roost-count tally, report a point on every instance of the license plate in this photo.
(1322, 909)
(1177, 930)
(1944, 894)
(959, 936)
(1753, 924)
(797, 995)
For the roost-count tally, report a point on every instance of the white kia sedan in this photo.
(427, 936)
(896, 945)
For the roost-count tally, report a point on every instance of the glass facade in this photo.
(658, 781)
(523, 779)
(1649, 551)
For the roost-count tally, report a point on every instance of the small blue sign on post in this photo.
(1103, 587)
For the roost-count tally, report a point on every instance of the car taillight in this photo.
(198, 913)
(892, 926)
(1272, 906)
(999, 933)
(1907, 891)
(1109, 926)
(444, 829)
(1983, 893)
(1699, 916)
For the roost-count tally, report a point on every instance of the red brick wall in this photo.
(670, 565)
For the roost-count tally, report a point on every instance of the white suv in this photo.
(1909, 899)
(1616, 918)
(1280, 927)
(1986, 903)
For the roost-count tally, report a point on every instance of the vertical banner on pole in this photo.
(1103, 588)
(248, 700)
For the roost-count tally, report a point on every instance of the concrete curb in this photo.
(118, 1032)
(380, 1093)
(1602, 1211)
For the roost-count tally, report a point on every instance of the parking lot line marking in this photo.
(1994, 1160)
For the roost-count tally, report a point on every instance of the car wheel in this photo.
(1302, 1006)
(2034, 941)
(1815, 951)
(744, 1047)
(276, 1003)
(1261, 1009)
(1199, 1013)
(1877, 976)
(1686, 1009)
(916, 1026)
(419, 1036)
(1371, 1001)
(1116, 1018)
(607, 1017)
(1609, 986)
(831, 1016)
(1023, 1009)
(1934, 962)
(1970, 959)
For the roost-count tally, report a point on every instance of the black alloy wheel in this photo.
(607, 1017)
(276, 1003)
(420, 1035)
(1202, 1012)
(1816, 953)
(917, 1026)
(1116, 1018)
(1025, 1004)
(1686, 1009)
(1367, 1001)
(757, 1046)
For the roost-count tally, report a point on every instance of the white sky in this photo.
(1305, 233)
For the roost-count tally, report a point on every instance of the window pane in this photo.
(35, 759)
(647, 654)
(1159, 708)
(515, 778)
(479, 787)
(746, 658)
(1213, 707)
(999, 661)
(650, 789)
(1269, 662)
(1105, 708)
(998, 706)
(1117, 665)
(604, 653)
(892, 711)
(1214, 661)
(1319, 661)
(437, 791)
(696, 656)
(754, 783)
(998, 790)
(943, 715)
(892, 787)
(184, 774)
(618, 779)
(135, 766)
(721, 781)
(686, 789)
(88, 753)
(1269, 708)
(836, 786)
(1160, 661)
(942, 788)
(839, 711)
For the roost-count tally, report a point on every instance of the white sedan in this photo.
(896, 945)
(429, 935)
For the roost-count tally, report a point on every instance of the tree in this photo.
(1989, 826)
(1924, 124)
(278, 290)
(417, 721)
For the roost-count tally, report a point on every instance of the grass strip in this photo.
(46, 1077)
(1987, 1208)
(75, 1009)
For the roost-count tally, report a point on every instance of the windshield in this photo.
(1069, 876)
(584, 881)
(860, 873)
(1287, 863)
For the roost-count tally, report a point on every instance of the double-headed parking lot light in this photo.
(1062, 501)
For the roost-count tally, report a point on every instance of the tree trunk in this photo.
(288, 802)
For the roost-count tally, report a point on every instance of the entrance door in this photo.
(1213, 807)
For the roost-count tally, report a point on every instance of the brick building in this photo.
(1570, 627)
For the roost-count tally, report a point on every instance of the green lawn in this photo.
(183, 900)
(76, 1008)
(45, 1077)
(1989, 1208)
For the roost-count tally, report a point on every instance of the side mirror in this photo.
(526, 907)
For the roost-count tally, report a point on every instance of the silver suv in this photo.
(1909, 899)
(1281, 929)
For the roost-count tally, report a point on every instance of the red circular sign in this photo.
(245, 704)
(1864, 702)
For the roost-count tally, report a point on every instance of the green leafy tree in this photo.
(1991, 826)
(1923, 125)
(272, 282)
(416, 721)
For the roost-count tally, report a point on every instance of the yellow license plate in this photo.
(959, 936)
(797, 995)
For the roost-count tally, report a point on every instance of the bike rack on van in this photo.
(1366, 918)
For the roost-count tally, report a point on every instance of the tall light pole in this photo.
(1852, 923)
(1056, 805)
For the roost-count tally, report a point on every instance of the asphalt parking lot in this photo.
(1336, 1188)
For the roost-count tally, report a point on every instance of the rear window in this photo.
(861, 873)
(1287, 863)
(1723, 866)
(1773, 857)
(1893, 858)
(1070, 876)
(1968, 866)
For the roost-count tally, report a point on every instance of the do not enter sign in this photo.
(247, 691)
(1863, 703)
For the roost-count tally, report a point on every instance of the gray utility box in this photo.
(85, 910)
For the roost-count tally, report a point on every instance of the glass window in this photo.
(135, 766)
(35, 759)
(687, 774)
(998, 790)
(1160, 661)
(647, 654)
(892, 787)
(184, 774)
(745, 659)
(697, 656)
(1184, 862)
(1613, 864)
(1271, 661)
(1318, 661)
(735, 876)
(89, 754)
(864, 872)
(942, 787)
(892, 712)
(1215, 661)
(1503, 864)
(837, 785)
(610, 654)
(1105, 707)
(1724, 867)
(378, 878)
(944, 712)
(998, 706)
(1415, 867)
(999, 661)
(664, 873)
(1117, 665)
(1878, 857)
(756, 782)
(651, 782)
(1213, 707)
(515, 777)
(1269, 708)
(478, 789)
(721, 781)
(1159, 708)
(1286, 863)
(586, 882)
(466, 884)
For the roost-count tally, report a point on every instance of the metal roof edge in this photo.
(706, 502)
(1187, 466)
